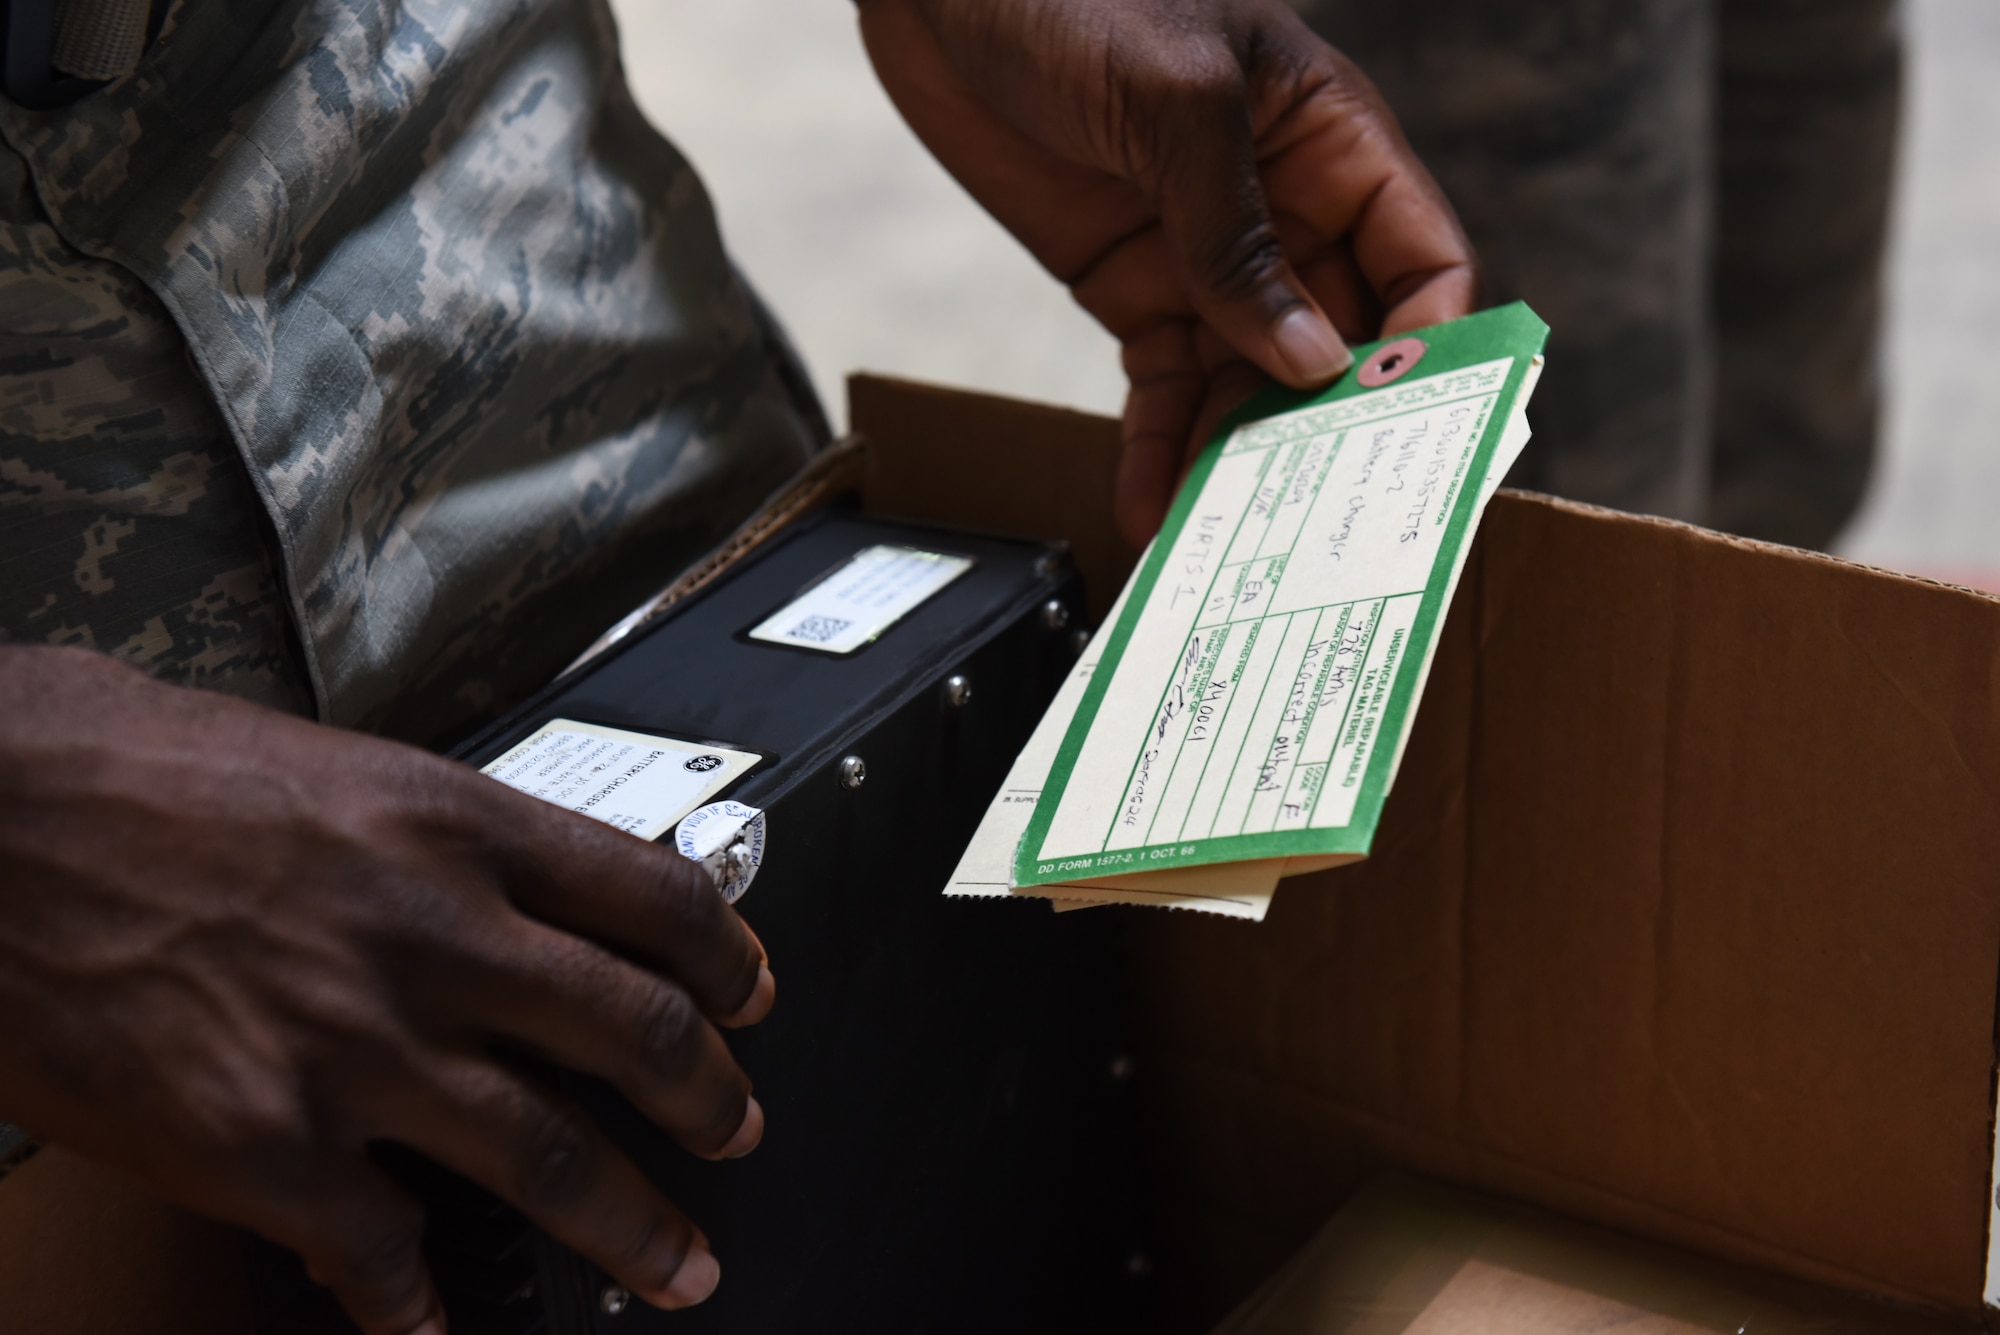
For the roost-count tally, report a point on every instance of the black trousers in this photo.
(1694, 194)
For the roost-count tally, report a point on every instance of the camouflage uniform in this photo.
(367, 360)
(1694, 194)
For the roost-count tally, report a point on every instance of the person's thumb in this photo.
(1213, 210)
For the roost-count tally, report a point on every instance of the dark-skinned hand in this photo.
(1226, 193)
(237, 950)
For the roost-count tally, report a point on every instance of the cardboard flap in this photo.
(1683, 918)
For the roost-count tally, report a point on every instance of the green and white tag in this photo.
(1249, 702)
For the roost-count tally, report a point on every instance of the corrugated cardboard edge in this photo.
(1709, 535)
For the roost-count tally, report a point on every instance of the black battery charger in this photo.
(950, 1141)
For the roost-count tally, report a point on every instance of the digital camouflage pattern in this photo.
(1694, 194)
(368, 358)
(127, 523)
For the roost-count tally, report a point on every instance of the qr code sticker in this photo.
(818, 629)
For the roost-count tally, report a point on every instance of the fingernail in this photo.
(762, 997)
(763, 955)
(433, 1326)
(1310, 347)
(694, 1281)
(748, 1135)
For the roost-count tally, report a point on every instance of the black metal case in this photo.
(949, 1141)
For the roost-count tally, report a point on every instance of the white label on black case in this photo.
(867, 594)
(639, 783)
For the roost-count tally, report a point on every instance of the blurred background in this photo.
(876, 259)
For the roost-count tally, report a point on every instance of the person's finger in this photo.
(642, 899)
(578, 1006)
(1229, 387)
(1212, 207)
(1417, 287)
(362, 1236)
(546, 1157)
(1345, 171)
(1228, 381)
(1327, 268)
(1167, 386)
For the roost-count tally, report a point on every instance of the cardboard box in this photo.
(85, 1251)
(1406, 1257)
(1684, 916)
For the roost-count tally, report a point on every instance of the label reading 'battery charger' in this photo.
(862, 597)
(636, 782)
